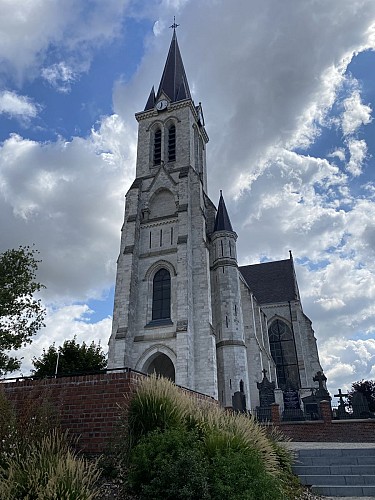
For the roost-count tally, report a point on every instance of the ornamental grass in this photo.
(48, 470)
(179, 447)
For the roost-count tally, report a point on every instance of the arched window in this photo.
(172, 143)
(157, 147)
(284, 354)
(161, 295)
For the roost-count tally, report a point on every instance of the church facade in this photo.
(183, 307)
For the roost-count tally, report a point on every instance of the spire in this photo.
(151, 100)
(173, 81)
(222, 221)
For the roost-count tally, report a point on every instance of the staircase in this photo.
(336, 471)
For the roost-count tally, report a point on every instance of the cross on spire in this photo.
(174, 25)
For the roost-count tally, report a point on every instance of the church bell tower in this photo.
(162, 319)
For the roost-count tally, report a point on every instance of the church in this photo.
(183, 307)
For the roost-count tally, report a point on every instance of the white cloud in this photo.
(60, 76)
(17, 106)
(338, 153)
(30, 28)
(347, 361)
(358, 152)
(356, 114)
(67, 198)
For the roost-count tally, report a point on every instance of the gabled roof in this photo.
(173, 81)
(222, 221)
(271, 281)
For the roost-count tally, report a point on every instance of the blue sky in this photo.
(288, 94)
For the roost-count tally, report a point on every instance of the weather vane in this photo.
(174, 25)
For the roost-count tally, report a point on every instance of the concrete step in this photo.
(330, 452)
(321, 470)
(344, 491)
(337, 471)
(336, 460)
(338, 480)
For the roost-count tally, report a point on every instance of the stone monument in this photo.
(266, 398)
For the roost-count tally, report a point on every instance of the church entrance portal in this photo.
(163, 366)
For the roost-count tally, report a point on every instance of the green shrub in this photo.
(182, 448)
(169, 465)
(241, 475)
(289, 481)
(48, 470)
(222, 430)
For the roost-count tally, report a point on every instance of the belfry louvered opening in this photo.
(157, 147)
(172, 143)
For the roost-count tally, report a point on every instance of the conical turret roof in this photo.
(222, 221)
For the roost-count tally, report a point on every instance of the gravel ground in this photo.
(111, 490)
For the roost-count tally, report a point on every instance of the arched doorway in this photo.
(162, 366)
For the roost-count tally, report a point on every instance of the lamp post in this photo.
(57, 363)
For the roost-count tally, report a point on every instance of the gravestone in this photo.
(266, 398)
(360, 405)
(239, 399)
(311, 403)
(342, 414)
(292, 408)
(321, 393)
(311, 406)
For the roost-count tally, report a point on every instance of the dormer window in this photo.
(172, 143)
(157, 147)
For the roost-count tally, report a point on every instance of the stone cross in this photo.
(340, 395)
(320, 378)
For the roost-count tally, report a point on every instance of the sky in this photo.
(288, 91)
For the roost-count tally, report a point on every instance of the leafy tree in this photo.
(21, 315)
(367, 388)
(73, 358)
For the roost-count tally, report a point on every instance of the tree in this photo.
(21, 315)
(367, 388)
(73, 358)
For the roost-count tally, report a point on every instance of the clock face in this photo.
(162, 104)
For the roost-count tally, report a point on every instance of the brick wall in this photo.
(88, 405)
(326, 430)
(338, 431)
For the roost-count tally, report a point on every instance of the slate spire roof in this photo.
(173, 82)
(222, 221)
(151, 100)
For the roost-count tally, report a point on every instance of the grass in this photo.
(175, 442)
(36, 459)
